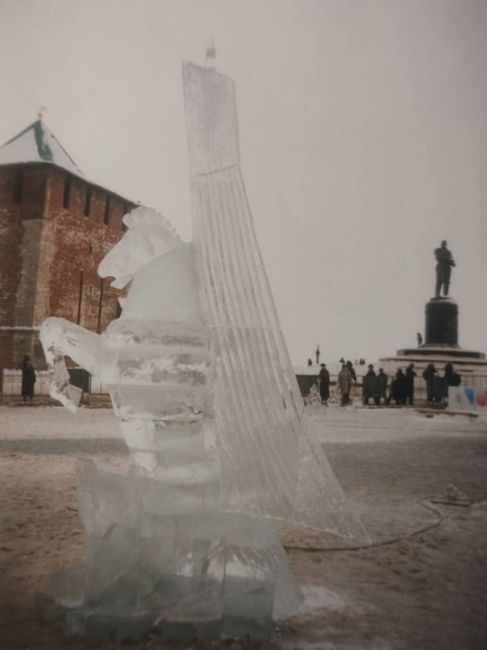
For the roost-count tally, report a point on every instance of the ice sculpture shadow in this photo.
(200, 378)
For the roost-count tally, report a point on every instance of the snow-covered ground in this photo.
(336, 424)
(421, 584)
(56, 422)
(357, 424)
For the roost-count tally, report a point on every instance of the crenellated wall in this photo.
(54, 230)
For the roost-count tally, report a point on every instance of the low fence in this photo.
(11, 383)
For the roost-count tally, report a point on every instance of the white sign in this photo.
(465, 398)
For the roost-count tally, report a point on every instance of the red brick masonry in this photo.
(54, 230)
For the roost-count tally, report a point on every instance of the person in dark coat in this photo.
(324, 377)
(399, 388)
(351, 370)
(28, 379)
(429, 375)
(450, 378)
(369, 386)
(410, 375)
(381, 386)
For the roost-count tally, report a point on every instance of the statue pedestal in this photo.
(440, 347)
(441, 322)
(441, 336)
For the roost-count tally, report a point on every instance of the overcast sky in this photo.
(363, 128)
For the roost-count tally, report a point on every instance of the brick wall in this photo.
(54, 230)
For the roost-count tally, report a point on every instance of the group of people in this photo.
(401, 392)
(345, 381)
(374, 385)
(437, 386)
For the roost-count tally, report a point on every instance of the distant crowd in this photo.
(375, 385)
(377, 390)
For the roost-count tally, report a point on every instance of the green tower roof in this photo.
(36, 143)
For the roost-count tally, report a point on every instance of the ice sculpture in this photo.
(199, 375)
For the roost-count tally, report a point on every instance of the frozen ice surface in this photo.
(200, 378)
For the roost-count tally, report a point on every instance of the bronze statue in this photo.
(444, 265)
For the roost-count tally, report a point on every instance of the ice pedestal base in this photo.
(183, 576)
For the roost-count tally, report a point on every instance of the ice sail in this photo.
(270, 462)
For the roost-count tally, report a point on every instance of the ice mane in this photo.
(148, 236)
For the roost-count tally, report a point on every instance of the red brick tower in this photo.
(55, 227)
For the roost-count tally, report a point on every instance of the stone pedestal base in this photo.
(440, 348)
(453, 353)
(441, 322)
(471, 365)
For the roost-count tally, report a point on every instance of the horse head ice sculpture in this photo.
(209, 407)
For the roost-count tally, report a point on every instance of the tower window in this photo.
(106, 218)
(67, 191)
(88, 200)
(18, 185)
